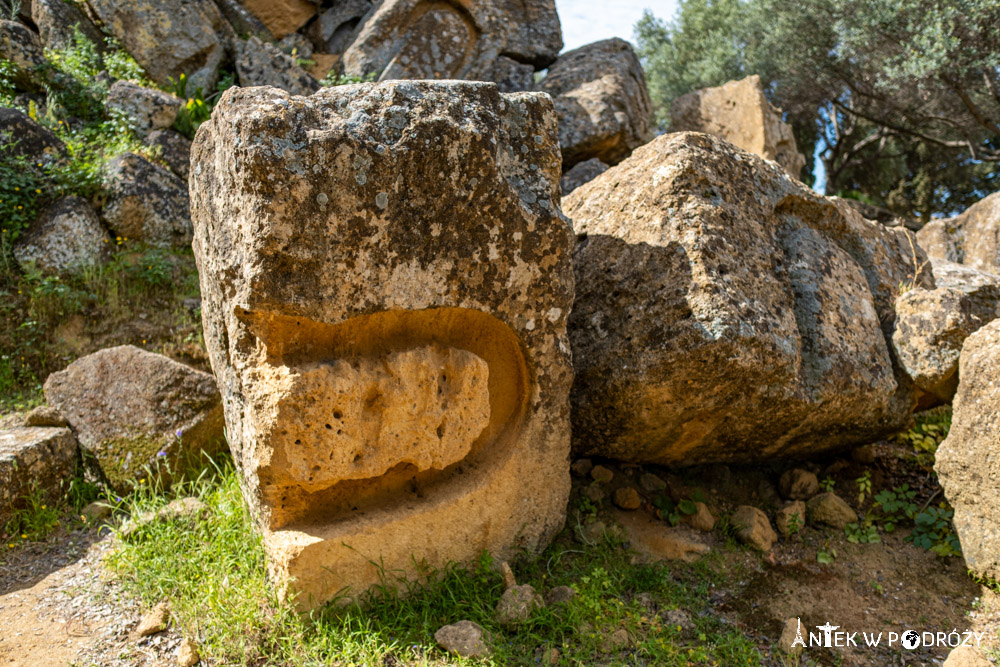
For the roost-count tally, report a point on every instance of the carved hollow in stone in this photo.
(381, 406)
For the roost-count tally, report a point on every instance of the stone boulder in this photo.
(65, 237)
(386, 278)
(145, 202)
(739, 113)
(262, 64)
(582, 172)
(34, 459)
(21, 46)
(282, 17)
(931, 326)
(56, 20)
(726, 312)
(753, 528)
(414, 39)
(169, 37)
(337, 26)
(830, 509)
(175, 150)
(31, 139)
(982, 289)
(966, 462)
(465, 638)
(512, 76)
(137, 412)
(972, 238)
(602, 101)
(146, 109)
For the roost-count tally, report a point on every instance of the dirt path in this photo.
(57, 609)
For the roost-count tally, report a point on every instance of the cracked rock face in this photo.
(386, 278)
(966, 462)
(725, 312)
(65, 237)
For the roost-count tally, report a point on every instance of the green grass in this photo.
(212, 570)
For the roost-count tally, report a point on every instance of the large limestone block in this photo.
(170, 37)
(726, 312)
(386, 279)
(23, 50)
(602, 101)
(57, 21)
(426, 39)
(739, 113)
(972, 238)
(966, 462)
(138, 412)
(34, 460)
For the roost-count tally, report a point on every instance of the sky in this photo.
(585, 21)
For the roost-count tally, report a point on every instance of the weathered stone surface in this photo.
(65, 237)
(33, 141)
(20, 46)
(702, 518)
(517, 604)
(262, 64)
(57, 18)
(421, 253)
(627, 498)
(512, 76)
(830, 509)
(972, 238)
(175, 150)
(931, 326)
(739, 113)
(791, 518)
(753, 527)
(146, 109)
(34, 458)
(582, 172)
(798, 484)
(187, 653)
(420, 39)
(170, 37)
(967, 656)
(281, 16)
(981, 288)
(464, 638)
(966, 462)
(134, 409)
(44, 415)
(725, 312)
(244, 22)
(336, 26)
(154, 621)
(145, 202)
(601, 98)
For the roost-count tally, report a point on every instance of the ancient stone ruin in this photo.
(739, 113)
(386, 279)
(726, 312)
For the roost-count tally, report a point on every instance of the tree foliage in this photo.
(898, 97)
